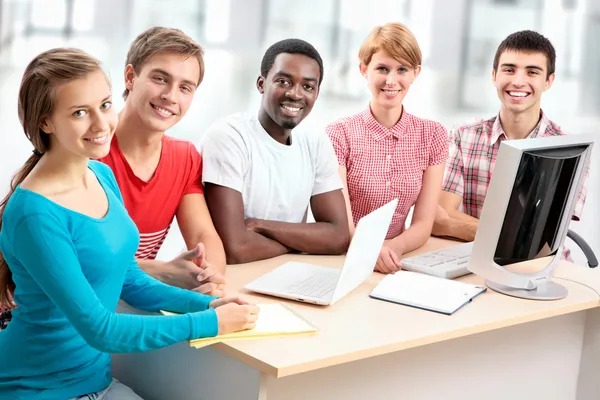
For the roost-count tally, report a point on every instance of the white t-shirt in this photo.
(276, 181)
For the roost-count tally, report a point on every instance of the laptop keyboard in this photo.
(317, 284)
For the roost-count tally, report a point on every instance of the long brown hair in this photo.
(36, 102)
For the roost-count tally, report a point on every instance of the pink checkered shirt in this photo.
(471, 160)
(383, 164)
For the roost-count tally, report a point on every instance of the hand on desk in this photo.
(234, 314)
(190, 270)
(388, 261)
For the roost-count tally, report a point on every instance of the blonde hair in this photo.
(162, 40)
(394, 39)
(36, 102)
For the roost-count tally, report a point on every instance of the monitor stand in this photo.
(545, 291)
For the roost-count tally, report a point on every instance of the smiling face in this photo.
(388, 79)
(289, 90)
(163, 90)
(521, 79)
(82, 120)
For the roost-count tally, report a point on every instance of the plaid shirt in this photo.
(384, 164)
(473, 151)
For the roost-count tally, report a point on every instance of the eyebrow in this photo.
(168, 75)
(86, 106)
(527, 67)
(402, 64)
(289, 76)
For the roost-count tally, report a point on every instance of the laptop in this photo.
(323, 285)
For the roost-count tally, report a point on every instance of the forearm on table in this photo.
(461, 216)
(456, 228)
(253, 246)
(314, 238)
(411, 239)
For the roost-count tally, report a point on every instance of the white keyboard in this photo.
(317, 284)
(449, 263)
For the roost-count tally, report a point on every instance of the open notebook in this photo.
(275, 319)
(425, 291)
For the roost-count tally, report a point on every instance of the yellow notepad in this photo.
(275, 319)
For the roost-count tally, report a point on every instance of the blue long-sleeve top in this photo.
(70, 271)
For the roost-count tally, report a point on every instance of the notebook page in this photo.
(277, 318)
(273, 319)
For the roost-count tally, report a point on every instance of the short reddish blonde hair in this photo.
(394, 39)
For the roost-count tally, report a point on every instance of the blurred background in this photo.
(458, 39)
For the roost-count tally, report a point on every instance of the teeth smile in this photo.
(101, 139)
(391, 92)
(291, 109)
(163, 111)
(518, 94)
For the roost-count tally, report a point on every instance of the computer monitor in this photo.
(526, 214)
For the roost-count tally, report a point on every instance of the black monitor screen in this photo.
(537, 204)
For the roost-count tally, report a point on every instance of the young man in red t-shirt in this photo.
(159, 176)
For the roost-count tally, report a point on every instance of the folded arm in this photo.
(241, 244)
(329, 234)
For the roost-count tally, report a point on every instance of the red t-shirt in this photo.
(152, 205)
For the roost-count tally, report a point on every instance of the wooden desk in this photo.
(497, 347)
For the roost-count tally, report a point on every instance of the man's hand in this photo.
(388, 261)
(252, 224)
(190, 270)
(212, 281)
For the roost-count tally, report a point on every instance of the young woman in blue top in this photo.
(68, 249)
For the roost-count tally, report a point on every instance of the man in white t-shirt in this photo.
(260, 178)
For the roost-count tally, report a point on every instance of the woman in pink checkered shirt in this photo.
(386, 153)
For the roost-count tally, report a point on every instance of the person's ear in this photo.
(46, 126)
(549, 81)
(130, 76)
(363, 69)
(417, 72)
(260, 84)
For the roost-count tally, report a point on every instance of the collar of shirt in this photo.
(261, 133)
(498, 131)
(378, 131)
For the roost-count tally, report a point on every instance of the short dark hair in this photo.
(290, 46)
(528, 42)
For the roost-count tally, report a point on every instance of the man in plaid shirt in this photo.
(523, 69)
